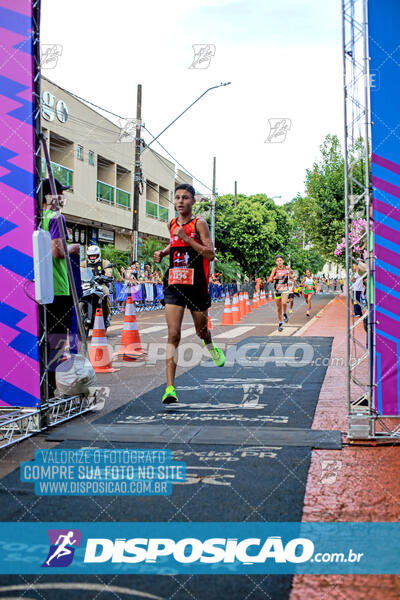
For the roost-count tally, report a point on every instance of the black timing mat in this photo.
(272, 382)
(197, 434)
(253, 480)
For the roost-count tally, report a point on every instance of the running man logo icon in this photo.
(127, 130)
(203, 54)
(62, 542)
(278, 129)
(329, 471)
(49, 55)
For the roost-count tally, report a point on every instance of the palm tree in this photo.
(147, 254)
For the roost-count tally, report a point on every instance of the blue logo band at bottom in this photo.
(199, 548)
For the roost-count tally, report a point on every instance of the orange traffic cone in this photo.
(209, 324)
(227, 314)
(258, 300)
(254, 302)
(270, 296)
(131, 346)
(99, 354)
(262, 297)
(235, 309)
(248, 308)
(242, 305)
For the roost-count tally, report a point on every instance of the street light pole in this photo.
(186, 109)
(213, 210)
(138, 178)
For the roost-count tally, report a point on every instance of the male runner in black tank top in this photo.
(186, 282)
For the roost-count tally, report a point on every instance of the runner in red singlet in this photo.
(280, 277)
(186, 282)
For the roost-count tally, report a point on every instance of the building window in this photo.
(151, 209)
(79, 152)
(123, 198)
(105, 192)
(91, 157)
(163, 213)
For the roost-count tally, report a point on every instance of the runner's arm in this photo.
(159, 254)
(271, 277)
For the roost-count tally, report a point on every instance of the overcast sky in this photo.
(282, 57)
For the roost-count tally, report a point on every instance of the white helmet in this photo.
(93, 251)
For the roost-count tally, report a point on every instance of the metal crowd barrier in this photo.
(148, 296)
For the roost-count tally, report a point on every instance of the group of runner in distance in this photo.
(186, 283)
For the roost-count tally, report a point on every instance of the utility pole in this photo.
(213, 210)
(235, 194)
(137, 179)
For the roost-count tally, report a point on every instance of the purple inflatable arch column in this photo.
(19, 323)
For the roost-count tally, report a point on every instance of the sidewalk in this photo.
(357, 484)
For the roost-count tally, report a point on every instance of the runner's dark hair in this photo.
(280, 256)
(186, 186)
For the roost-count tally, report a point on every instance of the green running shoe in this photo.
(217, 355)
(170, 396)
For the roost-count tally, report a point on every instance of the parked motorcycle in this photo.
(93, 297)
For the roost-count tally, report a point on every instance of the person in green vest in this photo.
(59, 312)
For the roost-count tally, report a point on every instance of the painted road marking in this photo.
(185, 333)
(114, 327)
(208, 416)
(286, 331)
(232, 333)
(80, 586)
(153, 329)
(244, 380)
(229, 386)
(188, 332)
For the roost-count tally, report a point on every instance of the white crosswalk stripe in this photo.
(185, 333)
(232, 333)
(286, 331)
(115, 327)
(153, 329)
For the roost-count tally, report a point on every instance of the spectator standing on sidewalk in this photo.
(147, 273)
(357, 287)
(59, 312)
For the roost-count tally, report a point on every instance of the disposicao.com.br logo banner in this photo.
(199, 548)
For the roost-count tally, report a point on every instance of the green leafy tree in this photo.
(252, 233)
(321, 213)
(302, 259)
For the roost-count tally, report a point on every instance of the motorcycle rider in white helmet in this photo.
(99, 267)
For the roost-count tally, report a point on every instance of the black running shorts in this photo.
(193, 299)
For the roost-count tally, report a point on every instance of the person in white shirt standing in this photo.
(357, 287)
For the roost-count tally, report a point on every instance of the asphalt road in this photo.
(230, 482)
(134, 379)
